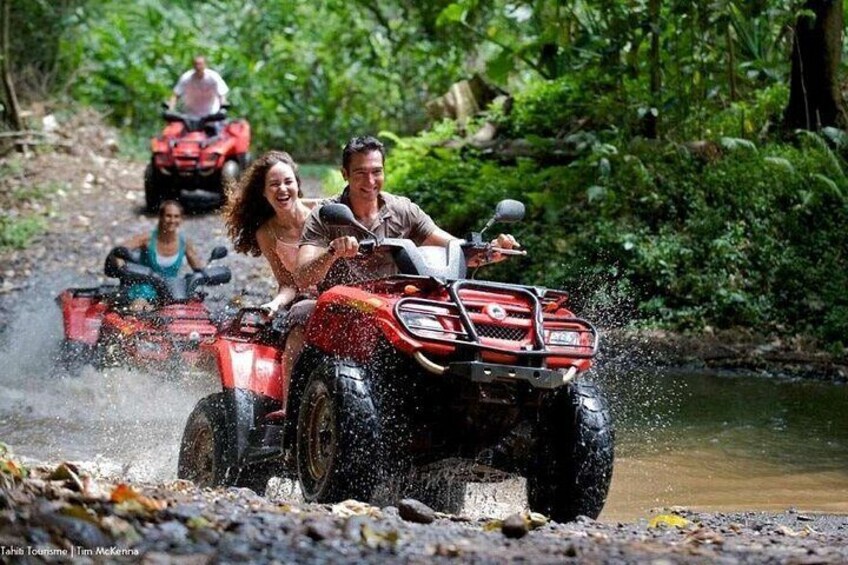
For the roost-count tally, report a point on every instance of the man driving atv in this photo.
(327, 257)
(201, 91)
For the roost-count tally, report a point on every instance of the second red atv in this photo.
(194, 159)
(412, 385)
(101, 329)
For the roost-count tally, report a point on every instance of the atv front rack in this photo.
(467, 323)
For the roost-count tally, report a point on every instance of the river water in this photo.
(708, 442)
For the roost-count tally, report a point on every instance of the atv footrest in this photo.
(486, 373)
(260, 454)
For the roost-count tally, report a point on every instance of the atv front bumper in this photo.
(487, 372)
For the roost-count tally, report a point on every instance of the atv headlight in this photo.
(424, 325)
(562, 338)
(209, 159)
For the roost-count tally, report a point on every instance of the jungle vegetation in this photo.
(683, 162)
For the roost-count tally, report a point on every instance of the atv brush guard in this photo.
(518, 328)
(562, 336)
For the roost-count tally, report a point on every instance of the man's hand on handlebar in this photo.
(344, 247)
(497, 250)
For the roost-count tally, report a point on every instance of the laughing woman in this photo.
(266, 214)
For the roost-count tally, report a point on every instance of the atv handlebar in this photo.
(125, 265)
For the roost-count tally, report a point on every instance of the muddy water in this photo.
(729, 443)
(708, 442)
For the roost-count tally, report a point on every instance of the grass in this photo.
(17, 233)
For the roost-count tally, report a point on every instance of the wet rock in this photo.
(321, 530)
(413, 510)
(77, 531)
(175, 532)
(515, 526)
(185, 512)
(159, 558)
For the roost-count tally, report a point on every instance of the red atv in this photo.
(194, 159)
(101, 329)
(412, 385)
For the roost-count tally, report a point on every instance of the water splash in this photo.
(122, 422)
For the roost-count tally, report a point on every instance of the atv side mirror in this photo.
(219, 252)
(506, 211)
(218, 275)
(509, 211)
(336, 215)
(340, 215)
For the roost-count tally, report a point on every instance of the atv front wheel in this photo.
(572, 465)
(338, 437)
(206, 450)
(229, 175)
(73, 356)
(152, 193)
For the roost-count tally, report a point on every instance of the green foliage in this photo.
(307, 75)
(17, 232)
(660, 235)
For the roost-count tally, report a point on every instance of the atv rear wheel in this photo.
(338, 438)
(573, 461)
(207, 450)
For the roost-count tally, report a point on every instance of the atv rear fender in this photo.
(249, 366)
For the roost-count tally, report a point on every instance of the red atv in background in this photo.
(194, 159)
(412, 385)
(101, 329)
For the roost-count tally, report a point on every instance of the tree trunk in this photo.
(814, 98)
(13, 110)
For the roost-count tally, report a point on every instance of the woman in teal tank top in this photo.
(164, 249)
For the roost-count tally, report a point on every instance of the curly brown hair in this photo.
(247, 209)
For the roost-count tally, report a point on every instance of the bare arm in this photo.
(193, 257)
(137, 242)
(438, 237)
(314, 262)
(286, 288)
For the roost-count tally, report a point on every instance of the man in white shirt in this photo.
(201, 91)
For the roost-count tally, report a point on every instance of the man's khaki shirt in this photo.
(398, 217)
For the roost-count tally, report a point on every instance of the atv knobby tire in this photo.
(152, 193)
(571, 470)
(73, 356)
(229, 174)
(207, 450)
(338, 437)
